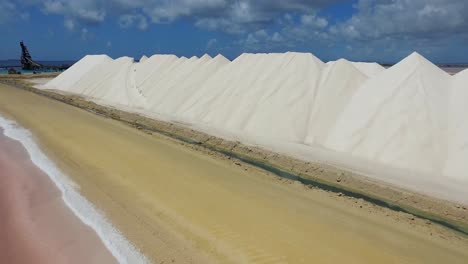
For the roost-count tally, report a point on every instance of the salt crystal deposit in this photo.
(409, 118)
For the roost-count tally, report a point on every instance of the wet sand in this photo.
(35, 224)
(178, 205)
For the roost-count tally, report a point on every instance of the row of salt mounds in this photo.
(339, 82)
(258, 90)
(409, 117)
(181, 86)
(289, 91)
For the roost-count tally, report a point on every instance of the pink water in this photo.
(35, 224)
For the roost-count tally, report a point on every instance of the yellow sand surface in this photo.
(179, 205)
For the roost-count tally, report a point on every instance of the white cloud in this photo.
(211, 43)
(69, 24)
(53, 7)
(90, 16)
(314, 21)
(262, 40)
(398, 18)
(84, 34)
(277, 37)
(220, 24)
(231, 16)
(133, 20)
(81, 11)
(392, 26)
(10, 12)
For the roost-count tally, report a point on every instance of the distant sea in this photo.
(16, 64)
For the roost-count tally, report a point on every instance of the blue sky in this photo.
(369, 30)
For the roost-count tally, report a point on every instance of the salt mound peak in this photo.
(417, 62)
(206, 56)
(97, 56)
(221, 58)
(414, 59)
(344, 62)
(344, 67)
(125, 58)
(143, 58)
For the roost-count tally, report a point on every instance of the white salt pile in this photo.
(408, 120)
(398, 117)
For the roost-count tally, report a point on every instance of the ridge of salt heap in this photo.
(369, 68)
(189, 86)
(113, 84)
(339, 82)
(209, 93)
(169, 83)
(265, 88)
(152, 66)
(456, 165)
(221, 57)
(149, 83)
(206, 56)
(397, 118)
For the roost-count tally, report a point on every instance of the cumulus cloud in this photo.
(6, 10)
(236, 17)
(211, 43)
(69, 24)
(269, 24)
(277, 37)
(231, 16)
(400, 18)
(84, 34)
(314, 21)
(9, 12)
(133, 20)
(83, 11)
